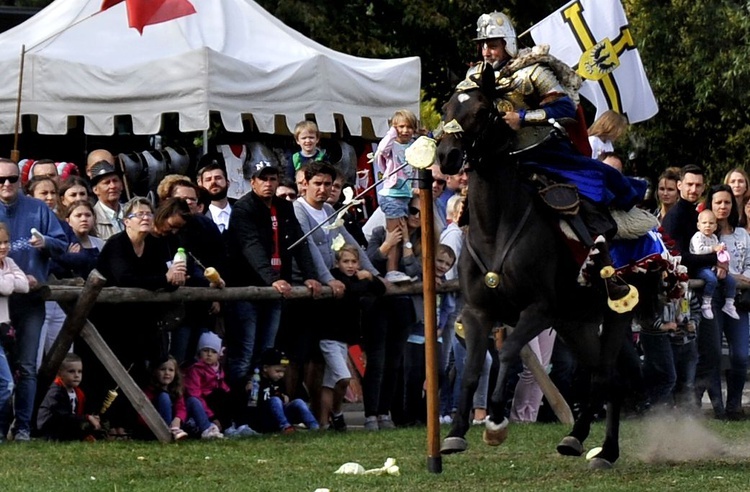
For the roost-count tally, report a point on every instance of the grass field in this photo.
(654, 457)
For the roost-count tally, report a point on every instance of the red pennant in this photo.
(142, 13)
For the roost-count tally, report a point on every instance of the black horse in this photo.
(515, 268)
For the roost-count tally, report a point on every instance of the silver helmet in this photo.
(497, 26)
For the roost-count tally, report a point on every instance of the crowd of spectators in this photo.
(215, 369)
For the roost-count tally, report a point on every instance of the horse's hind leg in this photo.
(477, 327)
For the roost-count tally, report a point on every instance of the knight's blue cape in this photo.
(595, 180)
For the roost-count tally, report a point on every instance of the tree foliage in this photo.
(698, 61)
(696, 55)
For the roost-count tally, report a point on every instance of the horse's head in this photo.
(472, 128)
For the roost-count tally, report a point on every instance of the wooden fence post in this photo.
(121, 376)
(74, 322)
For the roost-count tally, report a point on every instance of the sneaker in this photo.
(446, 419)
(178, 434)
(371, 424)
(396, 277)
(22, 436)
(245, 431)
(479, 421)
(288, 430)
(338, 423)
(385, 422)
(707, 312)
(212, 432)
(730, 311)
(231, 432)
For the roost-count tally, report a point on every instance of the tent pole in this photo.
(205, 142)
(15, 155)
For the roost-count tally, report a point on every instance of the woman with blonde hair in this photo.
(605, 131)
(738, 180)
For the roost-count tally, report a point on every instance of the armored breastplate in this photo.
(525, 88)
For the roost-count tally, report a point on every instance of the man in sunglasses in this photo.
(36, 235)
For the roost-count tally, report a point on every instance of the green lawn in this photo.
(306, 461)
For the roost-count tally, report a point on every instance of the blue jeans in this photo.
(737, 335)
(251, 328)
(27, 316)
(275, 415)
(163, 405)
(712, 281)
(6, 391)
(196, 412)
(480, 396)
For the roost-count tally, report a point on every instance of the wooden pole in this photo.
(554, 397)
(121, 376)
(15, 155)
(434, 459)
(72, 325)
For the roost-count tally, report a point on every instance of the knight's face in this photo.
(493, 51)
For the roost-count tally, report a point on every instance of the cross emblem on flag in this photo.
(593, 37)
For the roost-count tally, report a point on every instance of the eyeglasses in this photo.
(141, 215)
(413, 211)
(11, 179)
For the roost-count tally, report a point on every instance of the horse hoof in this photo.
(454, 445)
(570, 446)
(495, 434)
(600, 464)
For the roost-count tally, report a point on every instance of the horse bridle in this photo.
(483, 142)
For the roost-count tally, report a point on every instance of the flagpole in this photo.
(527, 31)
(15, 155)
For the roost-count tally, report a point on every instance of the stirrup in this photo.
(624, 302)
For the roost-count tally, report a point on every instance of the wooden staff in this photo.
(15, 155)
(434, 459)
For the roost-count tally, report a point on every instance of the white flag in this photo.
(593, 37)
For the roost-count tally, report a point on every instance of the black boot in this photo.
(622, 296)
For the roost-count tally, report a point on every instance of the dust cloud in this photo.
(677, 438)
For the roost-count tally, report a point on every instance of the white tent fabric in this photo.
(232, 57)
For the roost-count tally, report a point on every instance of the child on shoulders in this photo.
(396, 193)
(61, 414)
(275, 411)
(307, 136)
(705, 242)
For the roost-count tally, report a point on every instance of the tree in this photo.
(698, 63)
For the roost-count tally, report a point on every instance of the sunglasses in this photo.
(441, 182)
(288, 196)
(413, 211)
(141, 215)
(11, 179)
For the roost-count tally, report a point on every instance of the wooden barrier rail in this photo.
(69, 293)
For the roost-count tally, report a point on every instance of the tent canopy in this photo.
(231, 57)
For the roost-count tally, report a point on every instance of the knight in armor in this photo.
(536, 93)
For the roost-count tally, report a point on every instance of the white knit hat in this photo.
(209, 340)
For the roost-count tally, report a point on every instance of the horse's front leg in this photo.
(477, 326)
(531, 322)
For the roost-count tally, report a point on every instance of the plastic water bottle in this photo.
(180, 256)
(255, 390)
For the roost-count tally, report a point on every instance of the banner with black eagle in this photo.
(594, 38)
